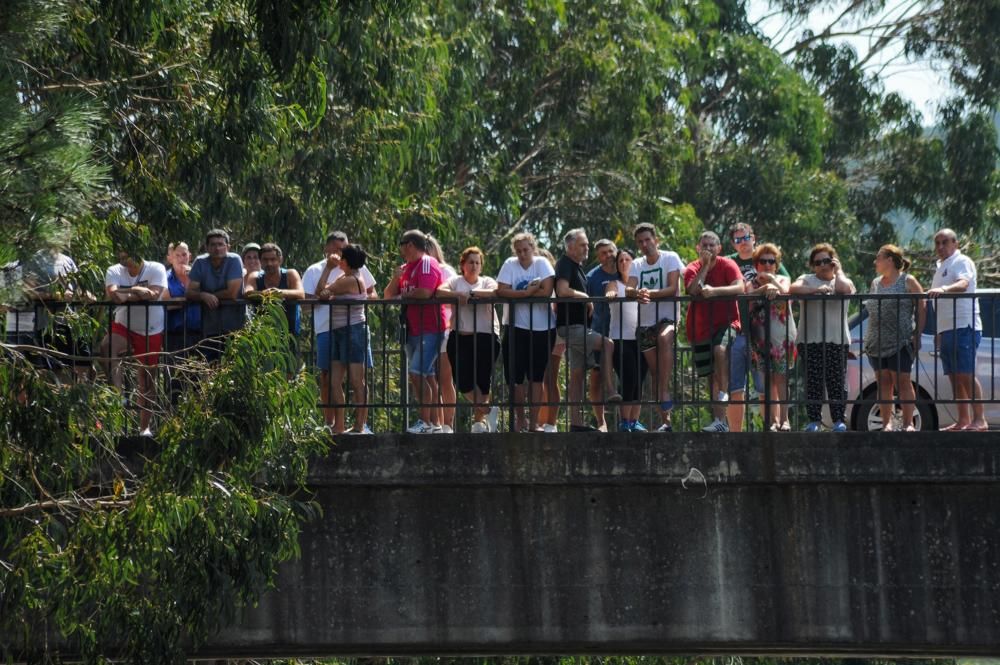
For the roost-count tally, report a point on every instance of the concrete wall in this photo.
(618, 543)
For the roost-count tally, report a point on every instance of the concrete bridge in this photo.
(613, 543)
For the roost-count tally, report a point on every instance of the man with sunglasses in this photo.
(744, 242)
(419, 278)
(959, 329)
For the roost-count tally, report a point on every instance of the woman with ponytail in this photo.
(892, 338)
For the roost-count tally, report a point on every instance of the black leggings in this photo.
(472, 358)
(825, 365)
(631, 367)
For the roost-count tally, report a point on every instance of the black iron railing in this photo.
(71, 340)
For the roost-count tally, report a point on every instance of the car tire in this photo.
(867, 416)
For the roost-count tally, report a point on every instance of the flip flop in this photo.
(954, 427)
(977, 428)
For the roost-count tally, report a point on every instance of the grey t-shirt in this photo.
(39, 274)
(229, 316)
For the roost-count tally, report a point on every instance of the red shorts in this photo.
(146, 347)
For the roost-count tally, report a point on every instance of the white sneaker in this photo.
(492, 417)
(549, 428)
(480, 427)
(716, 426)
(420, 427)
(146, 432)
(446, 429)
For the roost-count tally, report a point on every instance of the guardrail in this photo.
(68, 340)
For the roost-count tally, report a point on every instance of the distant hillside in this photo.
(911, 231)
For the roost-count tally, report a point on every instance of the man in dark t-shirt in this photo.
(600, 320)
(744, 242)
(571, 325)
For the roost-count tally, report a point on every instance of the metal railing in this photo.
(68, 341)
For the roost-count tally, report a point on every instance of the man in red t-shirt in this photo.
(712, 325)
(419, 279)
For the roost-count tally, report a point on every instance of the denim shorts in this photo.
(422, 352)
(739, 366)
(958, 350)
(346, 345)
(901, 361)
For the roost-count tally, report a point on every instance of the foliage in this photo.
(49, 173)
(283, 119)
(117, 550)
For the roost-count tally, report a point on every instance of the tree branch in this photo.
(103, 503)
(87, 85)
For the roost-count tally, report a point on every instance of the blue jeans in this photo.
(422, 352)
(739, 365)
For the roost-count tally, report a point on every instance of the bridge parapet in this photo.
(618, 543)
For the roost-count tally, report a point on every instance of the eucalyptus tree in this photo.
(109, 550)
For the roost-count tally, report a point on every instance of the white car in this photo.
(934, 409)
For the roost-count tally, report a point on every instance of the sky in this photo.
(914, 81)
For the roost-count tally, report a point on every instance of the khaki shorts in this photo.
(579, 340)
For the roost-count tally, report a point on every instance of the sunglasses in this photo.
(739, 239)
(822, 262)
(768, 262)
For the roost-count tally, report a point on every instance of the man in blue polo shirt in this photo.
(597, 282)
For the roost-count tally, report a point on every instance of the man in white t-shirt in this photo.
(528, 333)
(959, 329)
(314, 279)
(138, 327)
(654, 281)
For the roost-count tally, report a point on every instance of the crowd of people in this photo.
(618, 322)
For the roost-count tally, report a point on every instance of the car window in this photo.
(930, 326)
(989, 313)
